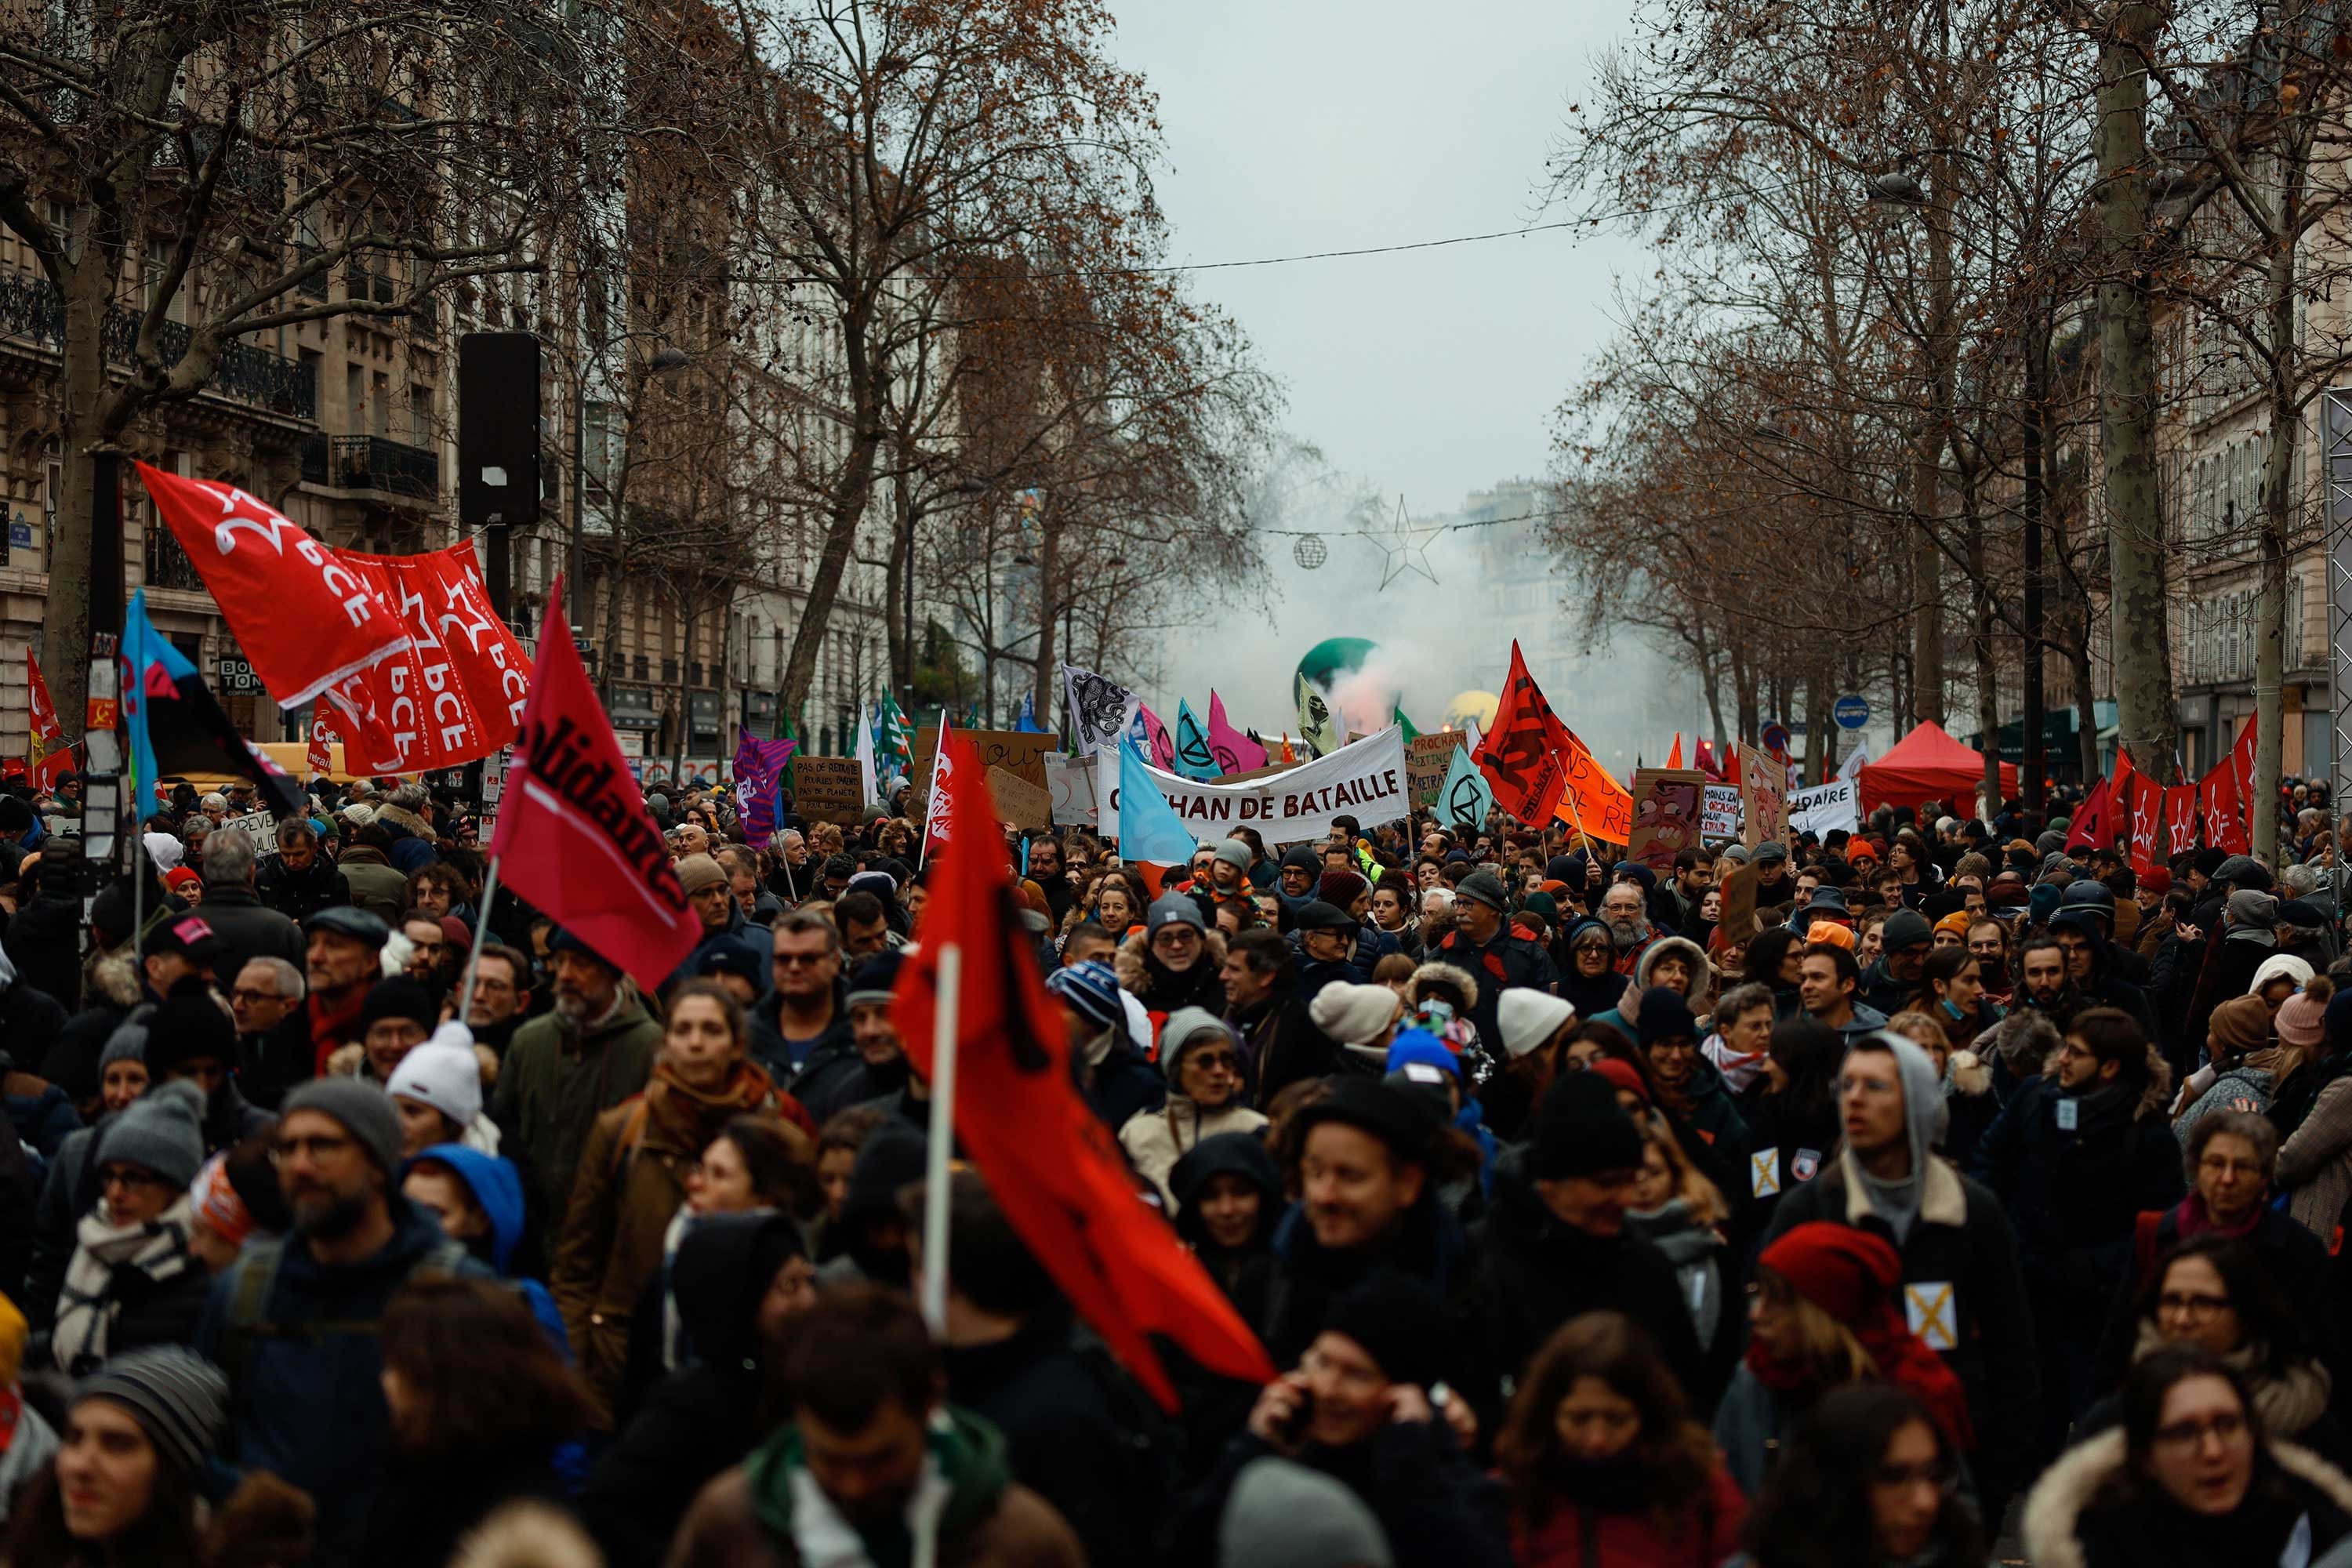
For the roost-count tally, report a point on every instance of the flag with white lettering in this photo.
(573, 837)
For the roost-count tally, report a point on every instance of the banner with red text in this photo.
(455, 693)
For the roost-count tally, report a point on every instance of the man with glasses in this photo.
(593, 1050)
(501, 996)
(1180, 970)
(801, 1031)
(292, 1320)
(1963, 1291)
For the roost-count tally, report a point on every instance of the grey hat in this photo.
(353, 923)
(1771, 852)
(1177, 1033)
(1484, 888)
(1173, 910)
(1281, 1514)
(1233, 852)
(2251, 907)
(1904, 928)
(162, 1131)
(364, 1110)
(2243, 871)
(1826, 896)
(178, 1397)
(129, 1041)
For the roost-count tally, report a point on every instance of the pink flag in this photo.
(1164, 745)
(1236, 752)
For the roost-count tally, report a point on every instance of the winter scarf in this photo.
(963, 1479)
(87, 1305)
(1738, 1070)
(1691, 1247)
(2288, 1398)
(690, 1118)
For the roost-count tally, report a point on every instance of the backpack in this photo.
(257, 1276)
(2240, 1089)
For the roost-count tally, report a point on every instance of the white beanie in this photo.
(1529, 1017)
(447, 1077)
(1353, 1014)
(165, 849)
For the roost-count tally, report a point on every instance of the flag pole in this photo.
(942, 1134)
(481, 929)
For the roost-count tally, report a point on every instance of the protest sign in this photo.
(1837, 804)
(1018, 751)
(1427, 760)
(1594, 803)
(1072, 785)
(1365, 781)
(1667, 806)
(830, 789)
(1019, 801)
(259, 827)
(1720, 811)
(1763, 807)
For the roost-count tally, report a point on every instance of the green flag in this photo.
(1406, 724)
(787, 731)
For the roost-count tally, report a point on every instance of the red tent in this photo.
(1928, 764)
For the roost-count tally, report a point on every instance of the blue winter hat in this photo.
(1413, 1047)
(2041, 901)
(1091, 990)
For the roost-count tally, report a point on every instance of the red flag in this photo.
(573, 837)
(1704, 761)
(2094, 823)
(321, 756)
(2217, 797)
(2180, 819)
(2250, 799)
(1050, 1162)
(50, 754)
(1674, 757)
(1520, 754)
(2119, 796)
(2146, 812)
(303, 615)
(456, 693)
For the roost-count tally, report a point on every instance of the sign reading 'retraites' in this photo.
(1365, 780)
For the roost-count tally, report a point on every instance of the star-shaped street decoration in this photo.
(1405, 547)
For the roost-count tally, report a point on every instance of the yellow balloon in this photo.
(1470, 708)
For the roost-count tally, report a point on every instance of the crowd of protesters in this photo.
(1968, 1188)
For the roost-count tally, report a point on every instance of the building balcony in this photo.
(32, 310)
(373, 463)
(168, 565)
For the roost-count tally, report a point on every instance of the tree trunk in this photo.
(1987, 680)
(2148, 716)
(852, 491)
(2033, 770)
(896, 631)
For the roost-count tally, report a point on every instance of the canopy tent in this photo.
(1927, 764)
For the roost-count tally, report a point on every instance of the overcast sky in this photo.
(1310, 125)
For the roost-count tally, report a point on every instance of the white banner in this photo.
(1073, 783)
(1365, 780)
(1837, 804)
(1719, 816)
(1851, 767)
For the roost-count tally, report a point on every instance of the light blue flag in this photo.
(1194, 759)
(1149, 828)
(1465, 798)
(1026, 723)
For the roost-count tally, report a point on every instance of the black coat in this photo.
(1284, 1045)
(1506, 961)
(1123, 1084)
(30, 1023)
(2074, 1195)
(1061, 1435)
(425, 1503)
(249, 929)
(298, 895)
(44, 941)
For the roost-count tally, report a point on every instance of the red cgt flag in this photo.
(455, 692)
(573, 837)
(50, 754)
(1050, 1162)
(2181, 818)
(2147, 809)
(1521, 753)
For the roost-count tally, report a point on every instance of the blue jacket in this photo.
(497, 1187)
(303, 1363)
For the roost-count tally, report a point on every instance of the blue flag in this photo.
(1465, 797)
(1194, 758)
(1026, 723)
(1149, 828)
(176, 727)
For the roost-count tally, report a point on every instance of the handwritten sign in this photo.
(1720, 815)
(1426, 760)
(828, 789)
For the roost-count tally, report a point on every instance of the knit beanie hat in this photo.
(1280, 1514)
(1420, 1047)
(1089, 990)
(1400, 1322)
(188, 1023)
(1302, 857)
(2301, 1018)
(1233, 852)
(399, 998)
(164, 850)
(1340, 888)
(216, 1202)
(876, 979)
(1528, 1018)
(162, 1131)
(1623, 1076)
(1405, 1122)
(2243, 1024)
(1184, 1028)
(2155, 879)
(447, 1078)
(1173, 909)
(2043, 902)
(1665, 1015)
(178, 1397)
(1353, 1014)
(1483, 888)
(129, 1041)
(364, 1110)
(1845, 1272)
(1580, 1130)
(1906, 928)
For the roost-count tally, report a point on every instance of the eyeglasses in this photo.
(247, 993)
(130, 1176)
(1178, 934)
(1209, 1061)
(2183, 1436)
(2194, 1305)
(794, 960)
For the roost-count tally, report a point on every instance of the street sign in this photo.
(1776, 738)
(1849, 711)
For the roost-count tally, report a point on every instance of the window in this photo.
(600, 440)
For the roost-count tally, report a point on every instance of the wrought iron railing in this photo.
(168, 565)
(31, 308)
(372, 463)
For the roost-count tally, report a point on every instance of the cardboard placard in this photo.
(828, 789)
(1073, 787)
(1021, 753)
(259, 827)
(1426, 760)
(1764, 809)
(1667, 808)
(1721, 818)
(1737, 921)
(1019, 801)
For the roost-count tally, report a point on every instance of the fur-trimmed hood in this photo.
(1702, 973)
(1135, 976)
(1969, 1073)
(1451, 975)
(527, 1535)
(395, 816)
(2055, 1506)
(112, 976)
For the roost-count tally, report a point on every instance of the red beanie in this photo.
(2157, 881)
(1621, 1074)
(1341, 888)
(1845, 1272)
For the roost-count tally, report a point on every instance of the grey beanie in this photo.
(1179, 1032)
(1483, 888)
(364, 1110)
(164, 1131)
(1233, 852)
(178, 1397)
(2249, 907)
(1281, 1514)
(1173, 910)
(129, 1041)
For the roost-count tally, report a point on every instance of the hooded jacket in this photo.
(497, 1186)
(557, 1079)
(1589, 997)
(1244, 1272)
(2067, 1525)
(376, 886)
(1163, 990)
(768, 1512)
(1155, 1140)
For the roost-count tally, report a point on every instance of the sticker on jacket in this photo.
(1764, 1172)
(1929, 1304)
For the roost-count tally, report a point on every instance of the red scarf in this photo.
(327, 1033)
(1901, 1358)
(691, 1117)
(2193, 1220)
